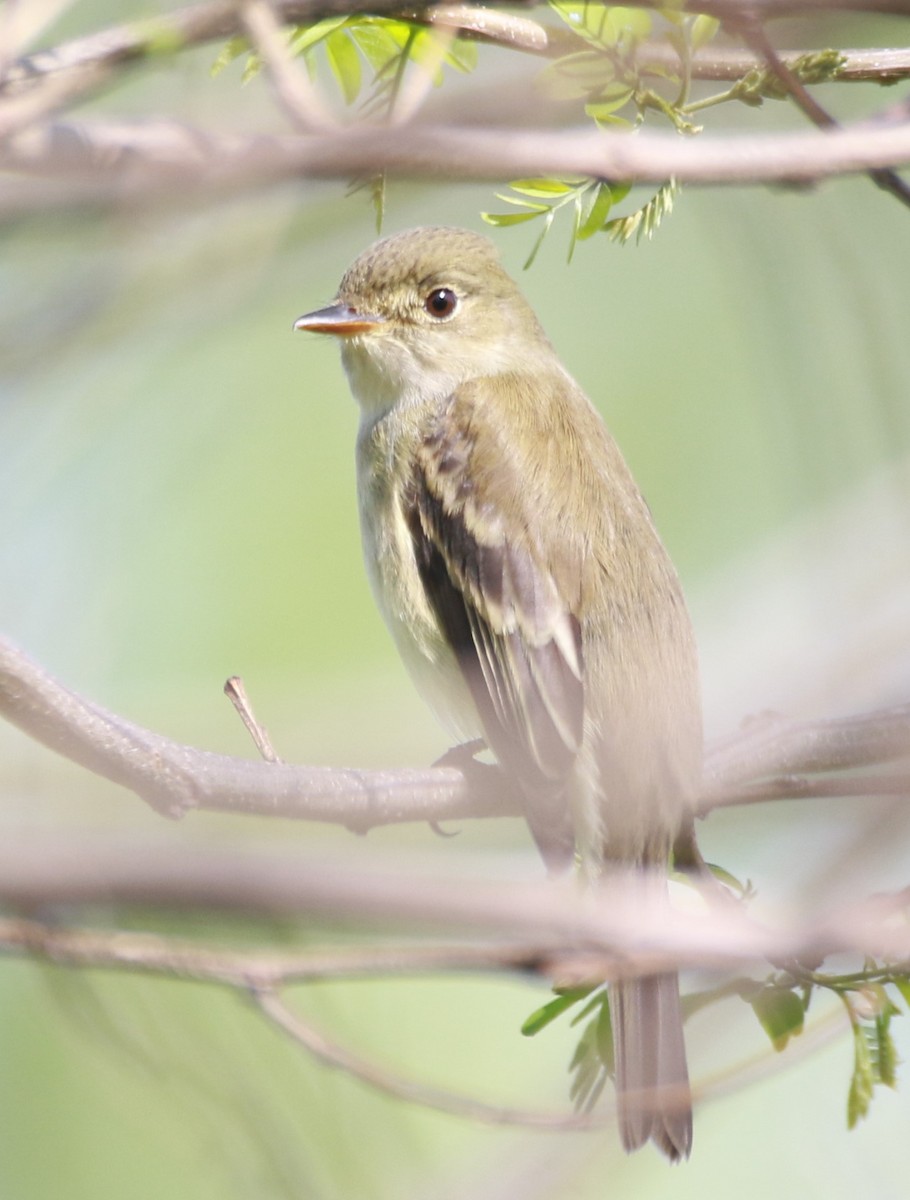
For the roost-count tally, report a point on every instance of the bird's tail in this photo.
(652, 1080)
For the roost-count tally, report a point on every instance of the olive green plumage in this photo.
(521, 575)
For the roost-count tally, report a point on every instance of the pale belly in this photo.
(392, 571)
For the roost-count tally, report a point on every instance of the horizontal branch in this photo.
(154, 162)
(262, 973)
(202, 24)
(178, 957)
(175, 778)
(624, 926)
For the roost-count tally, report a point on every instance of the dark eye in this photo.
(441, 302)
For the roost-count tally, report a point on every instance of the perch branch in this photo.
(175, 778)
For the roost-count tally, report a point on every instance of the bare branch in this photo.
(155, 163)
(331, 1054)
(236, 692)
(258, 969)
(773, 746)
(175, 778)
(261, 973)
(626, 926)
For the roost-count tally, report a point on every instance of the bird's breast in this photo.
(385, 456)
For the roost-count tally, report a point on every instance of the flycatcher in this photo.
(519, 571)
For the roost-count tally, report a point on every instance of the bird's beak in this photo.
(339, 319)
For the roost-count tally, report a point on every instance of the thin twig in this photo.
(236, 692)
(272, 1006)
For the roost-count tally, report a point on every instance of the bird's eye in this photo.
(441, 303)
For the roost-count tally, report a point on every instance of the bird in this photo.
(523, 580)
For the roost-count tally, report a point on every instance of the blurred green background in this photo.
(177, 505)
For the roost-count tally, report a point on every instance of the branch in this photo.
(175, 778)
(625, 926)
(331, 1054)
(262, 973)
(773, 746)
(299, 98)
(153, 163)
(755, 36)
(125, 45)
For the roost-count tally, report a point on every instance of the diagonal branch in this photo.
(330, 1053)
(299, 98)
(755, 36)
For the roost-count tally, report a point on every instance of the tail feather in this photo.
(652, 1080)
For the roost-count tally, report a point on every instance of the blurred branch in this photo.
(328, 1052)
(626, 926)
(297, 95)
(65, 163)
(153, 162)
(154, 954)
(261, 974)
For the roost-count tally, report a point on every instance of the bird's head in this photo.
(420, 312)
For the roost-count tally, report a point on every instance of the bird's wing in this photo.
(501, 608)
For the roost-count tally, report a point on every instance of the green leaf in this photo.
(378, 41)
(902, 983)
(780, 1012)
(548, 221)
(305, 36)
(463, 55)
(627, 26)
(345, 63)
(593, 1004)
(587, 1069)
(500, 220)
(862, 1081)
(228, 53)
(645, 221)
(585, 73)
(375, 186)
(605, 1036)
(251, 67)
(602, 110)
(424, 50)
(548, 1013)
(886, 1057)
(596, 217)
(704, 30)
(604, 26)
(519, 203)
(541, 187)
